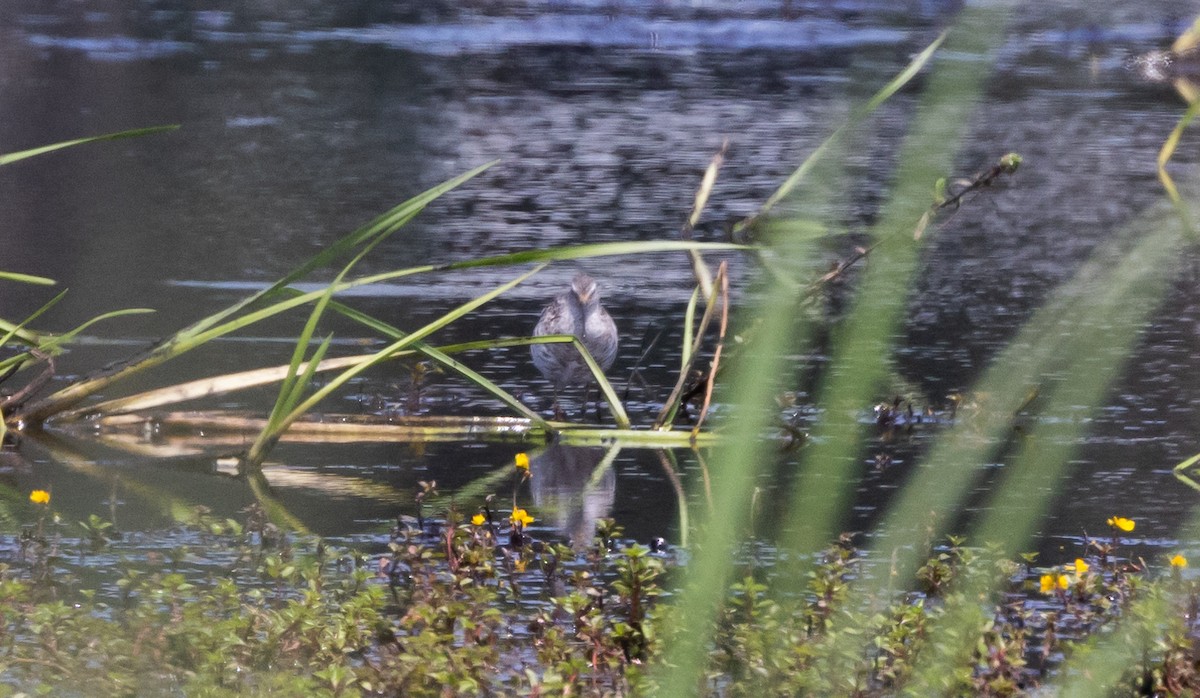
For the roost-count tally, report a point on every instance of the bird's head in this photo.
(585, 288)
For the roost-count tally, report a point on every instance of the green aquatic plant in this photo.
(35, 348)
(294, 399)
(1066, 358)
(468, 608)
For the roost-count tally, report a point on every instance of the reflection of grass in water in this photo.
(11, 501)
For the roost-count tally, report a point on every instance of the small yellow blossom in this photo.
(1053, 581)
(520, 517)
(39, 497)
(478, 519)
(522, 462)
(1178, 561)
(1122, 523)
(519, 565)
(1081, 567)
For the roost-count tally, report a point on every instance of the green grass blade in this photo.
(862, 348)
(1088, 324)
(14, 157)
(188, 340)
(291, 388)
(201, 331)
(59, 340)
(258, 450)
(906, 75)
(19, 329)
(689, 327)
(380, 227)
(52, 344)
(27, 336)
(1181, 469)
(610, 395)
(291, 397)
(1107, 326)
(603, 249)
(670, 408)
(442, 358)
(26, 278)
(754, 379)
(1167, 151)
(15, 360)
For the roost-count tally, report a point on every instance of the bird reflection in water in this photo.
(574, 489)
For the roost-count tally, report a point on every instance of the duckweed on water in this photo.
(456, 608)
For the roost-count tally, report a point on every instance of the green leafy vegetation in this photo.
(468, 607)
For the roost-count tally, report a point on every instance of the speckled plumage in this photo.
(578, 312)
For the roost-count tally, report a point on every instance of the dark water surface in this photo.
(300, 123)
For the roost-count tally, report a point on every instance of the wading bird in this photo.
(577, 312)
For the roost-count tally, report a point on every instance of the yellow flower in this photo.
(1178, 561)
(1081, 567)
(1122, 523)
(478, 519)
(520, 517)
(519, 565)
(39, 497)
(1053, 581)
(523, 461)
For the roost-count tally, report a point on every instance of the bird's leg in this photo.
(583, 405)
(587, 398)
(558, 413)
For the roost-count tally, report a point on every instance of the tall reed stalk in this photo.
(1069, 355)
